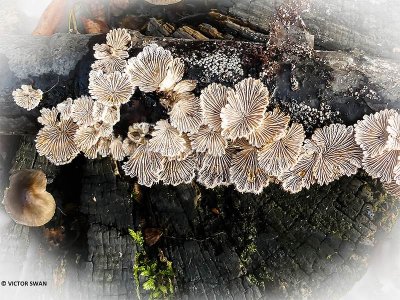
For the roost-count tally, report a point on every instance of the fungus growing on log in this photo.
(371, 132)
(56, 142)
(27, 201)
(137, 132)
(382, 166)
(186, 114)
(65, 109)
(166, 140)
(110, 89)
(272, 128)
(48, 116)
(111, 57)
(108, 114)
(212, 99)
(337, 153)
(116, 149)
(86, 137)
(82, 111)
(176, 171)
(145, 165)
(246, 173)
(245, 109)
(208, 141)
(214, 170)
(27, 97)
(393, 129)
(282, 154)
(149, 68)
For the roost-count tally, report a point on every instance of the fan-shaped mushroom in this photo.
(57, 143)
(65, 109)
(245, 172)
(175, 71)
(301, 175)
(382, 166)
(337, 153)
(111, 89)
(27, 97)
(116, 149)
(105, 113)
(129, 146)
(278, 156)
(393, 129)
(212, 99)
(176, 172)
(119, 39)
(186, 114)
(272, 128)
(104, 144)
(48, 117)
(371, 133)
(145, 165)
(245, 109)
(27, 201)
(392, 189)
(137, 132)
(86, 137)
(167, 140)
(208, 140)
(214, 170)
(82, 111)
(149, 68)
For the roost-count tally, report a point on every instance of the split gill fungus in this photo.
(220, 136)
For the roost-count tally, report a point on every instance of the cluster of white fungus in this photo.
(226, 136)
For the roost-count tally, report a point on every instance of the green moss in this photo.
(153, 274)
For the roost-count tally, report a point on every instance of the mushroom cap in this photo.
(338, 154)
(137, 132)
(186, 114)
(175, 71)
(163, 2)
(246, 174)
(27, 201)
(82, 111)
(245, 109)
(119, 39)
(371, 133)
(105, 130)
(27, 97)
(208, 140)
(214, 170)
(167, 140)
(104, 113)
(177, 172)
(48, 117)
(149, 68)
(393, 129)
(92, 152)
(86, 137)
(280, 155)
(65, 109)
(111, 89)
(128, 146)
(104, 144)
(57, 142)
(301, 175)
(185, 86)
(383, 165)
(212, 99)
(116, 149)
(109, 59)
(145, 165)
(272, 128)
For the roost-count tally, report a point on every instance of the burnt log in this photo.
(59, 66)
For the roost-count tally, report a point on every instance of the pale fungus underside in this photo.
(225, 135)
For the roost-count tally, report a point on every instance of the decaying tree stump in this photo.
(223, 244)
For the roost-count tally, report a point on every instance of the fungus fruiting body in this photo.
(27, 201)
(224, 135)
(27, 97)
